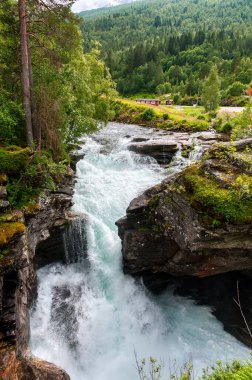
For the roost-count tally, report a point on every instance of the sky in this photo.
(83, 5)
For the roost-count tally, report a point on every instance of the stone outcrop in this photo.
(4, 203)
(161, 150)
(169, 229)
(163, 146)
(28, 248)
(194, 231)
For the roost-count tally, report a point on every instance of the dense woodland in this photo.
(51, 92)
(170, 46)
(67, 90)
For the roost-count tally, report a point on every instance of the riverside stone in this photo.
(165, 231)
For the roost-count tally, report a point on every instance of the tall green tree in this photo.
(69, 92)
(211, 90)
(25, 75)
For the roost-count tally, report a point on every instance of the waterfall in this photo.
(75, 241)
(90, 317)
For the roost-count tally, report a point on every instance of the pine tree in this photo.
(211, 90)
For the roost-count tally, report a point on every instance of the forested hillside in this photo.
(170, 46)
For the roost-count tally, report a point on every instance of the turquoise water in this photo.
(90, 317)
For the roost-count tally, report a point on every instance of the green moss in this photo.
(154, 201)
(233, 204)
(13, 161)
(142, 229)
(3, 178)
(9, 230)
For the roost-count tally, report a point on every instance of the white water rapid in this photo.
(89, 317)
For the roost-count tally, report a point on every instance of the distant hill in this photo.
(90, 6)
(152, 42)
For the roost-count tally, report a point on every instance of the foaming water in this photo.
(90, 317)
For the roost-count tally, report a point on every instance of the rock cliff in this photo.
(196, 223)
(23, 235)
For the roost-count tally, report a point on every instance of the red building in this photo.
(154, 102)
(168, 102)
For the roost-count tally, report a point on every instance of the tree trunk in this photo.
(25, 71)
(35, 123)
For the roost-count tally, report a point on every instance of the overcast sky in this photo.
(83, 5)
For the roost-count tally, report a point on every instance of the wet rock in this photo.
(166, 231)
(75, 158)
(162, 150)
(33, 368)
(139, 139)
(4, 204)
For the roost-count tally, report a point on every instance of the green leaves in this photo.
(211, 91)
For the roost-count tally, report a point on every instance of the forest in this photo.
(67, 90)
(51, 93)
(170, 46)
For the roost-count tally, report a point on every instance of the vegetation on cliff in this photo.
(222, 185)
(228, 202)
(9, 230)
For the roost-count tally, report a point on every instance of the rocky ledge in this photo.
(28, 240)
(196, 223)
(164, 145)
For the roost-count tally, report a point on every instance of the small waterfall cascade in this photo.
(196, 153)
(179, 162)
(75, 241)
(89, 317)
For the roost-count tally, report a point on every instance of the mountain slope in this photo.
(147, 39)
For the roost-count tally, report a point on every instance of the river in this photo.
(89, 317)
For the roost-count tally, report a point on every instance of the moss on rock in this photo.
(9, 230)
(224, 202)
(12, 161)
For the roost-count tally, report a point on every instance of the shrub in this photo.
(154, 369)
(236, 89)
(242, 125)
(148, 114)
(29, 173)
(165, 116)
(226, 127)
(176, 98)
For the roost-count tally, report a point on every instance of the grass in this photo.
(164, 117)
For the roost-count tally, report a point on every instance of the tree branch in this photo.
(238, 303)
